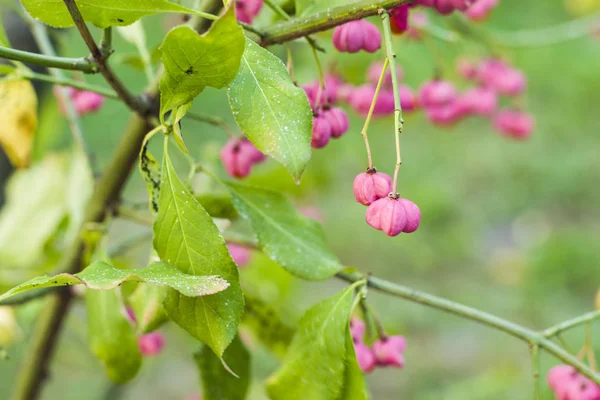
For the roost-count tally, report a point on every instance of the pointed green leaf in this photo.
(102, 276)
(354, 387)
(146, 302)
(179, 114)
(264, 322)
(193, 62)
(103, 13)
(292, 240)
(217, 382)
(271, 111)
(112, 337)
(317, 364)
(186, 237)
(150, 170)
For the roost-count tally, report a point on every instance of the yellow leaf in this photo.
(18, 108)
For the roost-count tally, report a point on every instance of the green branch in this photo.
(572, 323)
(74, 64)
(61, 80)
(321, 21)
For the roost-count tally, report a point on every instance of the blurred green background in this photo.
(509, 227)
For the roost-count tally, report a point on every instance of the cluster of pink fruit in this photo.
(83, 101)
(568, 384)
(385, 352)
(151, 343)
(386, 211)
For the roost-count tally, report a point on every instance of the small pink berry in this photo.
(86, 102)
(151, 343)
(445, 115)
(247, 10)
(374, 72)
(399, 19)
(321, 132)
(425, 3)
(361, 98)
(461, 5)
(466, 68)
(413, 215)
(354, 36)
(332, 84)
(357, 330)
(338, 119)
(437, 93)
(344, 92)
(481, 9)
(238, 157)
(390, 216)
(511, 82)
(240, 254)
(370, 186)
(388, 351)
(408, 99)
(312, 92)
(514, 123)
(480, 100)
(444, 7)
(489, 68)
(365, 357)
(557, 376)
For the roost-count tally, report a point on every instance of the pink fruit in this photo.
(466, 68)
(374, 72)
(240, 254)
(365, 357)
(357, 330)
(481, 9)
(444, 7)
(361, 98)
(445, 115)
(354, 36)
(247, 10)
(399, 19)
(321, 132)
(83, 101)
(151, 344)
(437, 93)
(514, 123)
(238, 156)
(370, 186)
(388, 351)
(390, 216)
(408, 99)
(480, 100)
(417, 21)
(338, 120)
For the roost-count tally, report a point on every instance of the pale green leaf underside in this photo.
(193, 62)
(186, 237)
(315, 365)
(102, 276)
(112, 336)
(102, 13)
(290, 239)
(271, 111)
(217, 382)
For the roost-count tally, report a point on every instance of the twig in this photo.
(82, 64)
(535, 370)
(216, 121)
(572, 323)
(281, 12)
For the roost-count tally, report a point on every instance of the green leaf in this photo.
(150, 170)
(292, 240)
(354, 387)
(264, 322)
(3, 38)
(112, 336)
(102, 276)
(193, 62)
(305, 7)
(318, 363)
(103, 13)
(179, 114)
(146, 302)
(217, 205)
(271, 111)
(217, 382)
(186, 237)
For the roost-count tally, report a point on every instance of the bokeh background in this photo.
(509, 227)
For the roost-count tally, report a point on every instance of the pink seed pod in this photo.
(332, 84)
(151, 344)
(446, 115)
(560, 374)
(417, 21)
(444, 7)
(408, 99)
(240, 254)
(581, 388)
(514, 123)
(365, 357)
(338, 120)
(462, 5)
(354, 36)
(466, 68)
(425, 3)
(238, 157)
(357, 330)
(399, 19)
(480, 100)
(481, 9)
(437, 93)
(86, 102)
(388, 351)
(361, 99)
(374, 72)
(344, 92)
(247, 10)
(311, 94)
(511, 82)
(321, 132)
(390, 216)
(413, 215)
(489, 68)
(370, 186)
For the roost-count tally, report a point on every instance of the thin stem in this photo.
(365, 128)
(106, 42)
(527, 335)
(321, 77)
(398, 120)
(302, 26)
(535, 370)
(76, 64)
(367, 318)
(100, 58)
(64, 81)
(572, 323)
(590, 347)
(378, 324)
(216, 121)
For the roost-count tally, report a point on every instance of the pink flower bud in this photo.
(514, 123)
(374, 72)
(357, 330)
(388, 351)
(365, 357)
(466, 68)
(321, 132)
(370, 186)
(151, 343)
(238, 157)
(480, 100)
(481, 9)
(354, 36)
(437, 93)
(399, 19)
(408, 99)
(247, 10)
(390, 216)
(338, 120)
(240, 254)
